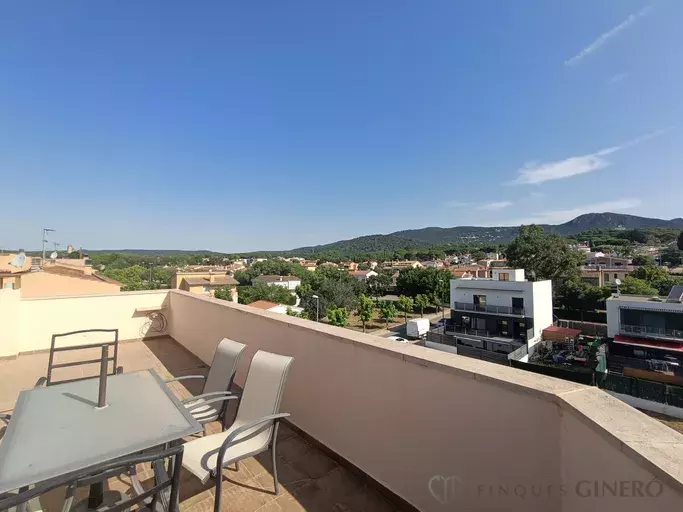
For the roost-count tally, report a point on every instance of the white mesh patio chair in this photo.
(254, 429)
(216, 384)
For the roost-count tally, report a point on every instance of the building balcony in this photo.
(375, 425)
(453, 330)
(496, 310)
(646, 331)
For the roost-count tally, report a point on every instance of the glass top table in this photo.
(58, 430)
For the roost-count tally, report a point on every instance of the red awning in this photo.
(564, 331)
(642, 342)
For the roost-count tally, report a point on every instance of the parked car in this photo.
(398, 338)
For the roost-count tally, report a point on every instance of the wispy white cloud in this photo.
(534, 172)
(559, 216)
(498, 205)
(603, 38)
(620, 77)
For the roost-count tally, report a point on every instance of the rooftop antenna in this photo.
(45, 232)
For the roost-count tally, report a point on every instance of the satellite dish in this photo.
(19, 260)
(54, 255)
(617, 282)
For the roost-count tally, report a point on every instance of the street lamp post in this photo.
(317, 308)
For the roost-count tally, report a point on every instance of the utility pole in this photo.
(45, 232)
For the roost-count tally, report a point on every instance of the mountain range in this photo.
(417, 238)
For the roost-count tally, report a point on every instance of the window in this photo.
(616, 276)
(517, 304)
(479, 302)
(606, 277)
(504, 276)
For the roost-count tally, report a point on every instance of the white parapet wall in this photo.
(27, 325)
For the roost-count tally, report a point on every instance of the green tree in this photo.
(680, 241)
(338, 317)
(243, 277)
(634, 286)
(131, 277)
(671, 256)
(579, 296)
(543, 256)
(261, 291)
(406, 305)
(378, 285)
(365, 309)
(387, 311)
(422, 301)
(426, 281)
(643, 260)
(656, 277)
(224, 293)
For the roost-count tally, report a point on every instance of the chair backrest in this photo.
(263, 389)
(223, 366)
(54, 349)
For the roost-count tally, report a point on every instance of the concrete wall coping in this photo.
(98, 295)
(651, 444)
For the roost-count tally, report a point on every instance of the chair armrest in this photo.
(230, 440)
(212, 400)
(185, 377)
(209, 395)
(5, 416)
(40, 382)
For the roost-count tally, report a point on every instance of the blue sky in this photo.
(239, 126)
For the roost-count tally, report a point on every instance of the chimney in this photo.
(212, 277)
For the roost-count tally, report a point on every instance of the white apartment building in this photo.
(500, 313)
(648, 322)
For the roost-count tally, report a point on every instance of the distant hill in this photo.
(417, 238)
(613, 221)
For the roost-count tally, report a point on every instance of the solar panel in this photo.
(676, 294)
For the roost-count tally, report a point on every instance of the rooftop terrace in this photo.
(373, 419)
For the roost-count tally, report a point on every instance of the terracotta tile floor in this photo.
(309, 479)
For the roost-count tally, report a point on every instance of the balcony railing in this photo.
(482, 333)
(651, 332)
(485, 308)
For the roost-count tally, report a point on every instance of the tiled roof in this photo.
(263, 304)
(217, 281)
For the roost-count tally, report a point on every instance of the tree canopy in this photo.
(634, 286)
(365, 309)
(543, 256)
(426, 281)
(261, 291)
(577, 295)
